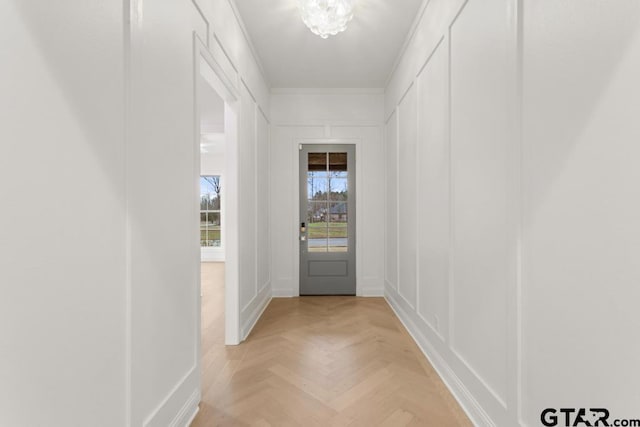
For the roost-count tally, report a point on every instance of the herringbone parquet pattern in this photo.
(320, 361)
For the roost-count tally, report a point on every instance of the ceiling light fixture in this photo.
(326, 17)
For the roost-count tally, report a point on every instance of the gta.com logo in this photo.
(591, 417)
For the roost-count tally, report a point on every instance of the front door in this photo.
(327, 230)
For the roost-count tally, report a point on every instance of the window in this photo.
(210, 219)
(328, 202)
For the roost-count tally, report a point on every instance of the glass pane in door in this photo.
(337, 161)
(317, 185)
(338, 231)
(327, 197)
(317, 236)
(317, 162)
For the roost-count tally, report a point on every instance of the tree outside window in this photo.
(210, 216)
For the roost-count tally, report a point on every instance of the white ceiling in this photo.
(213, 144)
(361, 56)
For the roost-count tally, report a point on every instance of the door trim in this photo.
(296, 204)
(205, 65)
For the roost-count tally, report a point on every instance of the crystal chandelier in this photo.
(326, 17)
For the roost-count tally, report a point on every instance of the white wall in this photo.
(99, 165)
(255, 282)
(62, 238)
(166, 378)
(212, 163)
(517, 278)
(340, 114)
(581, 271)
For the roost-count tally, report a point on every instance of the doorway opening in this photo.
(212, 218)
(216, 130)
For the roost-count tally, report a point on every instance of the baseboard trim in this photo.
(193, 416)
(170, 404)
(212, 257)
(282, 293)
(188, 411)
(465, 399)
(255, 315)
(371, 292)
(370, 287)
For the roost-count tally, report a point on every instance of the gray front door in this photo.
(327, 213)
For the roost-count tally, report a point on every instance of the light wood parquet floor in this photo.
(317, 361)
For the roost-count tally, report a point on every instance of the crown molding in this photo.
(245, 33)
(326, 91)
(407, 41)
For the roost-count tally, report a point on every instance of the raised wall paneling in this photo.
(479, 148)
(336, 107)
(370, 199)
(281, 210)
(164, 252)
(221, 58)
(284, 230)
(391, 207)
(540, 167)
(247, 198)
(582, 235)
(449, 143)
(407, 196)
(263, 200)
(199, 24)
(111, 330)
(433, 192)
(319, 115)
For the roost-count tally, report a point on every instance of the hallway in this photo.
(318, 361)
(468, 169)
